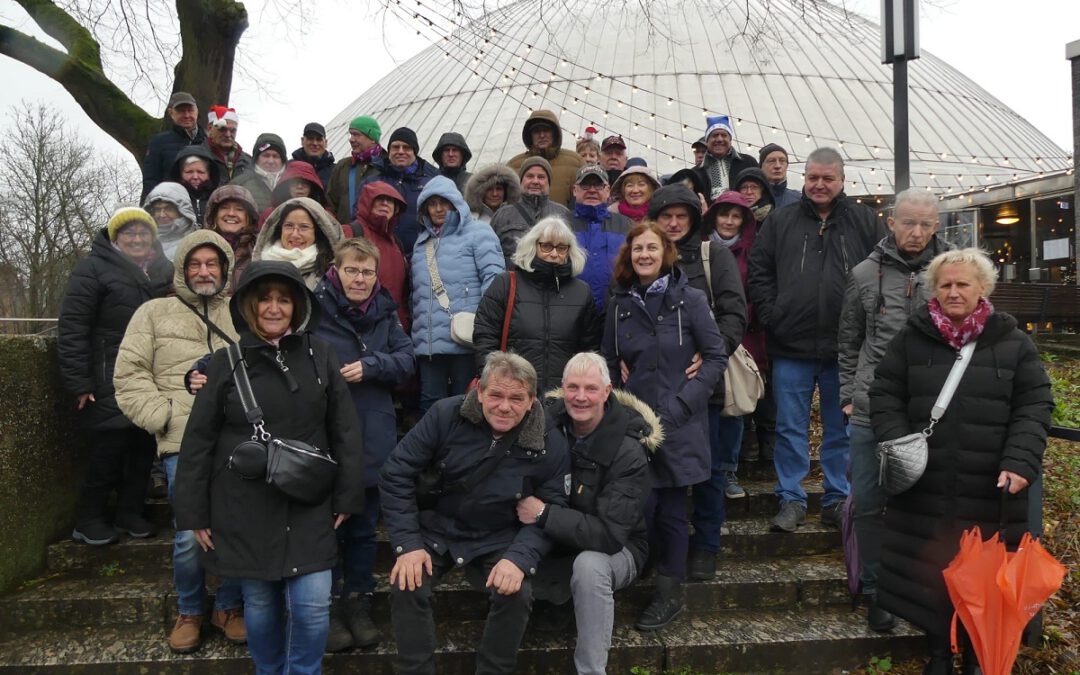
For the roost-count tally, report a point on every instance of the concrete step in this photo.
(80, 597)
(822, 640)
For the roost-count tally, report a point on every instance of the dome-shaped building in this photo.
(799, 74)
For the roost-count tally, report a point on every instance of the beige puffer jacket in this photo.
(163, 340)
(564, 163)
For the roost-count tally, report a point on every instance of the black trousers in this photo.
(119, 460)
(414, 625)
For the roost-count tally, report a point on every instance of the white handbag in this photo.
(461, 323)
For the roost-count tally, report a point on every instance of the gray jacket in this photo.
(510, 223)
(882, 292)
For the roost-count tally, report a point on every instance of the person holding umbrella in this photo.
(991, 437)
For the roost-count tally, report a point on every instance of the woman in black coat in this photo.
(991, 438)
(125, 268)
(554, 315)
(281, 550)
(656, 323)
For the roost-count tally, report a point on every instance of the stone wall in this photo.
(40, 456)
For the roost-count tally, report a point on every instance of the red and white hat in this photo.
(219, 115)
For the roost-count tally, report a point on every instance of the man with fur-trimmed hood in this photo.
(491, 188)
(542, 137)
(600, 539)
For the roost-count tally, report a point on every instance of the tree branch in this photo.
(63, 28)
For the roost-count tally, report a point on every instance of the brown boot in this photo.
(186, 633)
(230, 622)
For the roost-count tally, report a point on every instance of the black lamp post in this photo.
(900, 44)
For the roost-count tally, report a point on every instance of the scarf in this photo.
(277, 341)
(271, 178)
(232, 237)
(761, 210)
(353, 313)
(302, 258)
(971, 327)
(726, 243)
(719, 171)
(634, 213)
(657, 287)
(591, 214)
(366, 156)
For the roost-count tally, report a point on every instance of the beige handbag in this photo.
(461, 323)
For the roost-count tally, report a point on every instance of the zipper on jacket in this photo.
(843, 255)
(802, 261)
(910, 291)
(280, 358)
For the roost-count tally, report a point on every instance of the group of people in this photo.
(561, 325)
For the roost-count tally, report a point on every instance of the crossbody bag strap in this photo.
(963, 358)
(509, 312)
(206, 320)
(708, 272)
(437, 287)
(252, 411)
(525, 214)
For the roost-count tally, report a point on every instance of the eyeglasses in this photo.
(162, 209)
(195, 265)
(353, 272)
(548, 247)
(303, 228)
(135, 233)
(226, 131)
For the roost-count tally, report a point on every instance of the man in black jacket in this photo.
(452, 154)
(601, 539)
(721, 163)
(161, 152)
(476, 455)
(798, 272)
(313, 151)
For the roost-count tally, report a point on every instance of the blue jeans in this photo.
(725, 439)
(793, 388)
(444, 375)
(869, 504)
(292, 644)
(356, 541)
(188, 576)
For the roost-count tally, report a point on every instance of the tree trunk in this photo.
(210, 31)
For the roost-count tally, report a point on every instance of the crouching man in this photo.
(601, 536)
(449, 491)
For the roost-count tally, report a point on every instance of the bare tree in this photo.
(55, 194)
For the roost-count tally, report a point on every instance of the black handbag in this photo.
(299, 470)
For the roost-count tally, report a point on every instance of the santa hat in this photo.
(717, 123)
(220, 114)
(590, 131)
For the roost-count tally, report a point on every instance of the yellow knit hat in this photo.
(128, 215)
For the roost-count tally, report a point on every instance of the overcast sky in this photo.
(1014, 50)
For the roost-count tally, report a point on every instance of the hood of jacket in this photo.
(627, 411)
(755, 174)
(188, 244)
(287, 272)
(442, 186)
(673, 194)
(237, 193)
(532, 427)
(542, 117)
(749, 224)
(301, 170)
(173, 193)
(488, 177)
(456, 139)
(200, 151)
(271, 231)
(367, 200)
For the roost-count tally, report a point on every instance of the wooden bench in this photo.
(1040, 304)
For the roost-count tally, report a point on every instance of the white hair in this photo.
(985, 271)
(582, 362)
(915, 197)
(551, 229)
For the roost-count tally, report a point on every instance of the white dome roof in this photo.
(812, 77)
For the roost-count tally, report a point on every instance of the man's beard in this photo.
(206, 290)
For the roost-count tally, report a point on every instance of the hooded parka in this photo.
(327, 236)
(170, 234)
(102, 294)
(163, 339)
(199, 198)
(468, 257)
(459, 175)
(997, 421)
(483, 180)
(258, 532)
(409, 184)
(564, 163)
(393, 265)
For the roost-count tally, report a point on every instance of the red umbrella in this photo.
(995, 594)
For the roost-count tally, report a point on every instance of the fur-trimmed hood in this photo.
(533, 426)
(644, 424)
(488, 177)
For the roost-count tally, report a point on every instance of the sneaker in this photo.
(357, 615)
(702, 565)
(732, 490)
(135, 525)
(186, 635)
(791, 515)
(340, 637)
(833, 515)
(94, 533)
(231, 623)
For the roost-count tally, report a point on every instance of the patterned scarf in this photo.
(353, 313)
(969, 329)
(366, 156)
(719, 174)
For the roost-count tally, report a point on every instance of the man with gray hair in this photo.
(450, 491)
(882, 292)
(601, 541)
(797, 275)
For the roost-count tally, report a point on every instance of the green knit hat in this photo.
(367, 126)
(129, 215)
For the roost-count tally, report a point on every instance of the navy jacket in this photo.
(657, 345)
(161, 153)
(323, 164)
(410, 185)
(455, 435)
(387, 354)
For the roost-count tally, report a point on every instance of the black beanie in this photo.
(768, 150)
(405, 135)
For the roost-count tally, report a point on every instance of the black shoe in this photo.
(158, 488)
(667, 603)
(791, 515)
(833, 515)
(877, 619)
(939, 664)
(357, 615)
(970, 665)
(135, 525)
(339, 638)
(702, 565)
(94, 533)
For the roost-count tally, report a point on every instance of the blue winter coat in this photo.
(410, 185)
(468, 256)
(601, 233)
(657, 346)
(387, 354)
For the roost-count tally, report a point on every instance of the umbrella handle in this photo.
(1004, 497)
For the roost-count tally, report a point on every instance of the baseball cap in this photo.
(314, 129)
(181, 98)
(615, 141)
(591, 170)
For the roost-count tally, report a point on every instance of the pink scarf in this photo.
(634, 213)
(969, 330)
